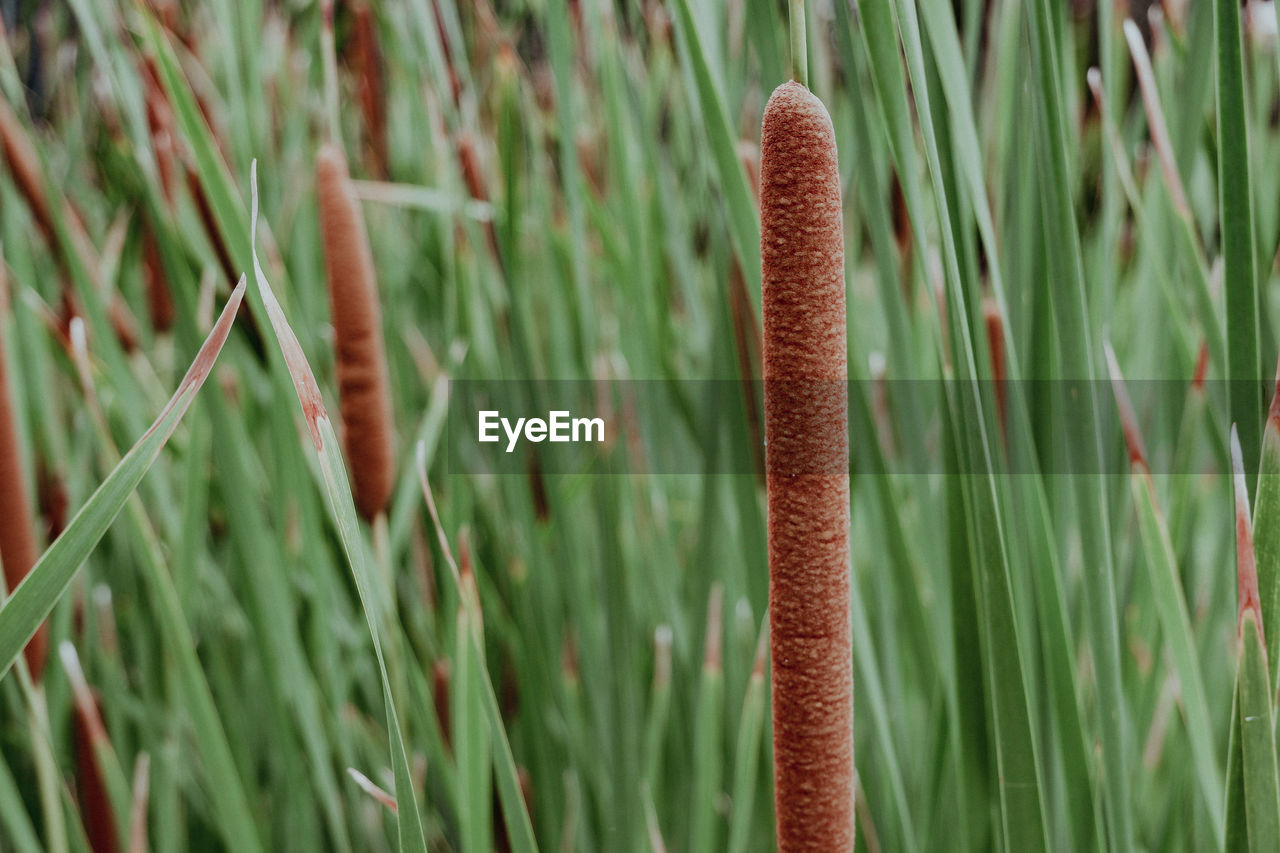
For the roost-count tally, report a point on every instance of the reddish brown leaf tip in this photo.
(304, 381)
(1202, 368)
(1246, 564)
(1128, 420)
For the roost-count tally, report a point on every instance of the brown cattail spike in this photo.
(373, 98)
(24, 164)
(159, 298)
(807, 457)
(364, 396)
(17, 534)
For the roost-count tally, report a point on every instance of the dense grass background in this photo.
(1041, 661)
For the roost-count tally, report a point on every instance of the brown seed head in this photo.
(364, 397)
(806, 429)
(18, 550)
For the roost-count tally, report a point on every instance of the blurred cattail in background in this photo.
(91, 743)
(18, 549)
(807, 456)
(367, 60)
(364, 396)
(159, 299)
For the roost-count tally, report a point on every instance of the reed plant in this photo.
(861, 429)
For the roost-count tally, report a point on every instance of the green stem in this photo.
(799, 47)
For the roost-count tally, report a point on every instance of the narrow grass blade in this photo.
(1266, 532)
(1235, 207)
(35, 597)
(707, 758)
(1253, 688)
(747, 753)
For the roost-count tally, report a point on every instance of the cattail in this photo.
(18, 550)
(501, 834)
(994, 321)
(473, 177)
(807, 457)
(210, 223)
(363, 391)
(373, 96)
(91, 739)
(159, 298)
(160, 123)
(123, 324)
(51, 496)
(24, 163)
(441, 678)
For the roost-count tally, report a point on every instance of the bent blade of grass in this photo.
(341, 502)
(35, 597)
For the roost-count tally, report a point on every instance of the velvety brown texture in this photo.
(807, 453)
(18, 549)
(364, 396)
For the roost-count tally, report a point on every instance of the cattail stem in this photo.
(807, 459)
(799, 44)
(364, 395)
(328, 55)
(18, 550)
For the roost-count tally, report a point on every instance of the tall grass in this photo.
(1047, 645)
